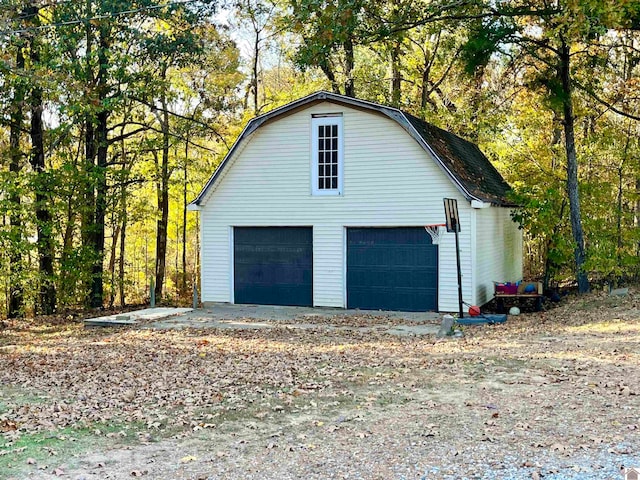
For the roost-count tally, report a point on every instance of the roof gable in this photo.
(462, 161)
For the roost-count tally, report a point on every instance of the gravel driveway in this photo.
(552, 395)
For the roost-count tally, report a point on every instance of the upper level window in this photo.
(326, 144)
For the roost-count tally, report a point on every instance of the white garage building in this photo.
(323, 202)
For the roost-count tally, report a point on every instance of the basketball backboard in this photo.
(451, 215)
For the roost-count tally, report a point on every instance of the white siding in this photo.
(498, 251)
(328, 264)
(388, 181)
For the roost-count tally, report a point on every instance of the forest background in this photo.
(113, 114)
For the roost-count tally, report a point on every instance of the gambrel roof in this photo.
(462, 161)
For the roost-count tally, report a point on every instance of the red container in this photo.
(507, 288)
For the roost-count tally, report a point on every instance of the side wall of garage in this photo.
(389, 181)
(498, 251)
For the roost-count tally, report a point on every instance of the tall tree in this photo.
(41, 184)
(258, 15)
(332, 49)
(17, 105)
(182, 42)
(549, 36)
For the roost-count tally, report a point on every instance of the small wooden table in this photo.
(500, 298)
(525, 291)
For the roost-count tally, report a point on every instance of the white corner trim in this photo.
(344, 266)
(192, 207)
(479, 204)
(474, 255)
(232, 273)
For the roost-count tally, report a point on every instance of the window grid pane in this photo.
(327, 157)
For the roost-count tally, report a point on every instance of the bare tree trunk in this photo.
(96, 146)
(123, 225)
(254, 71)
(185, 184)
(473, 132)
(619, 242)
(16, 290)
(163, 199)
(87, 211)
(328, 71)
(573, 191)
(46, 302)
(349, 65)
(102, 129)
(625, 153)
(396, 74)
(112, 264)
(123, 230)
(89, 200)
(425, 91)
(67, 247)
(550, 265)
(146, 260)
(47, 296)
(637, 219)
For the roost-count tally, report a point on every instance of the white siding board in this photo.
(389, 180)
(215, 281)
(328, 265)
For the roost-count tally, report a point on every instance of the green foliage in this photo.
(484, 40)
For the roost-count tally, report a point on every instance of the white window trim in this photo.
(332, 119)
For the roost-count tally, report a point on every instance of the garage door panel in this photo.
(270, 294)
(399, 255)
(272, 274)
(381, 276)
(391, 269)
(389, 298)
(273, 265)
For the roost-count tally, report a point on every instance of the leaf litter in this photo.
(547, 395)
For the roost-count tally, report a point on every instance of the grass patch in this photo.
(11, 397)
(49, 450)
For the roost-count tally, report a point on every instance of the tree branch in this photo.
(183, 117)
(124, 136)
(610, 106)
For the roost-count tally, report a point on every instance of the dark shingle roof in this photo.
(462, 161)
(466, 161)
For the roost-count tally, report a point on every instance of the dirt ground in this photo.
(553, 395)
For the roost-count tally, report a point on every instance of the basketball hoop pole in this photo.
(453, 225)
(455, 229)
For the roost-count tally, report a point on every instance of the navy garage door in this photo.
(391, 269)
(273, 265)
